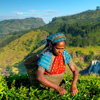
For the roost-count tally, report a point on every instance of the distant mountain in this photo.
(12, 25)
(86, 17)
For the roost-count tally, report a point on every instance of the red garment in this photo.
(58, 66)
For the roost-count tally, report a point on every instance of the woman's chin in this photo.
(57, 54)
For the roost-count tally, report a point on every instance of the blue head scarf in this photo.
(56, 37)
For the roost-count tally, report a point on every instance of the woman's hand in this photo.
(74, 89)
(61, 90)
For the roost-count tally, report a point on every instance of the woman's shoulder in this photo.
(49, 53)
(44, 59)
(45, 55)
(46, 51)
(65, 52)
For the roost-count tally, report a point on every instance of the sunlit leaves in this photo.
(88, 89)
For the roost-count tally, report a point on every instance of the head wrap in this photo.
(56, 37)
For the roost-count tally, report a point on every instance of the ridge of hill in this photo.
(86, 17)
(7, 26)
(78, 24)
(86, 29)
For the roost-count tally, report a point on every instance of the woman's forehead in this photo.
(60, 43)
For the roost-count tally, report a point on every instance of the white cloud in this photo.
(51, 11)
(46, 16)
(32, 10)
(7, 17)
(19, 13)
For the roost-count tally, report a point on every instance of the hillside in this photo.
(85, 17)
(81, 29)
(83, 43)
(12, 25)
(13, 55)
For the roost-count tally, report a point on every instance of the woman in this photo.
(52, 63)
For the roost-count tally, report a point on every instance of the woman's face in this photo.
(59, 47)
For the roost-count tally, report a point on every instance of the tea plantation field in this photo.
(19, 88)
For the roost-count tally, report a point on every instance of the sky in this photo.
(45, 9)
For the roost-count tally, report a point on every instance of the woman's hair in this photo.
(54, 44)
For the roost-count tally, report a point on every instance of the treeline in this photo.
(81, 35)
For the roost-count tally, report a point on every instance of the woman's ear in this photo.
(50, 45)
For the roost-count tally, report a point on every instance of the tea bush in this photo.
(19, 88)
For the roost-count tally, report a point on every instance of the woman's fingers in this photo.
(74, 92)
(61, 90)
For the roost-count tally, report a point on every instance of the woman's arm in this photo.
(46, 82)
(75, 72)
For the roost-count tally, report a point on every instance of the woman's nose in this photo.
(60, 51)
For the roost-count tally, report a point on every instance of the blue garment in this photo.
(45, 59)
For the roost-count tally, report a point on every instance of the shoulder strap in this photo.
(45, 59)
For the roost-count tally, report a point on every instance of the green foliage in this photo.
(5, 40)
(79, 65)
(89, 58)
(85, 17)
(79, 53)
(19, 88)
(82, 35)
(97, 57)
(15, 53)
(8, 26)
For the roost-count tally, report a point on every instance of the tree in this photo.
(98, 8)
(77, 41)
